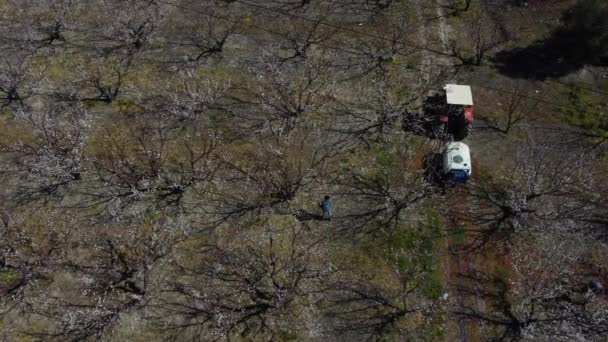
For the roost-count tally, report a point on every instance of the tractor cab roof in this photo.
(459, 94)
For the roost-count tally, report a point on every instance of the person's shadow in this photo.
(303, 215)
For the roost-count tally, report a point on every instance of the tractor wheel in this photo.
(468, 130)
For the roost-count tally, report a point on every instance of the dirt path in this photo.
(443, 30)
(458, 211)
(433, 34)
(454, 329)
(455, 264)
(426, 63)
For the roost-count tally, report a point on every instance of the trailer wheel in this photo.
(439, 130)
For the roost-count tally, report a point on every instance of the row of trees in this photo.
(163, 160)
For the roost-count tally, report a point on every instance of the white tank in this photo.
(457, 161)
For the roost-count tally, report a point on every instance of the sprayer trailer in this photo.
(457, 162)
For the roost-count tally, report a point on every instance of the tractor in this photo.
(447, 117)
(450, 113)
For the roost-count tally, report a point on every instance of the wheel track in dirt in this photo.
(457, 216)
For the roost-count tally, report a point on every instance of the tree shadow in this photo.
(580, 41)
(552, 58)
(433, 163)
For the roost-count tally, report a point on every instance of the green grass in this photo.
(413, 250)
(9, 279)
(460, 235)
(585, 110)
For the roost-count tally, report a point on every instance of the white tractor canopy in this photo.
(456, 157)
(459, 94)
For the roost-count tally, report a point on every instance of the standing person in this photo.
(326, 207)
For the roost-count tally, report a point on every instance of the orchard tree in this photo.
(32, 250)
(284, 95)
(509, 109)
(196, 31)
(548, 182)
(45, 154)
(548, 296)
(485, 34)
(111, 274)
(380, 197)
(391, 293)
(18, 84)
(276, 171)
(150, 161)
(263, 282)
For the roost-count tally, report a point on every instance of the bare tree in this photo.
(398, 298)
(382, 197)
(548, 297)
(511, 108)
(108, 274)
(18, 83)
(486, 34)
(31, 250)
(389, 43)
(48, 155)
(284, 94)
(275, 172)
(547, 182)
(260, 285)
(384, 103)
(41, 27)
(196, 31)
(149, 161)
